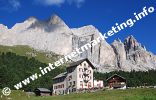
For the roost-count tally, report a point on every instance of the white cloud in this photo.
(9, 5)
(78, 3)
(50, 2)
(15, 4)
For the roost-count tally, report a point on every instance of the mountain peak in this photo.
(118, 39)
(55, 19)
(31, 19)
(131, 40)
(130, 37)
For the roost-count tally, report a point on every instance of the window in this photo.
(63, 91)
(89, 84)
(74, 83)
(70, 83)
(70, 70)
(90, 71)
(81, 83)
(73, 90)
(99, 85)
(84, 64)
(80, 69)
(79, 75)
(90, 77)
(85, 84)
(70, 77)
(62, 85)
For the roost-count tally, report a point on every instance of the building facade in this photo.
(78, 77)
(117, 82)
(98, 84)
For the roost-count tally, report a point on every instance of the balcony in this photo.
(85, 74)
(86, 81)
(117, 85)
(85, 68)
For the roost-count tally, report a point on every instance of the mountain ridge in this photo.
(53, 35)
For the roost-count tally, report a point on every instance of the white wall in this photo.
(98, 84)
(71, 77)
(59, 91)
(81, 73)
(75, 76)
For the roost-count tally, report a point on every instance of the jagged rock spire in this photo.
(131, 44)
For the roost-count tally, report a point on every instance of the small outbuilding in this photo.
(42, 92)
(116, 82)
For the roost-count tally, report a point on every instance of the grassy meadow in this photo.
(27, 51)
(129, 94)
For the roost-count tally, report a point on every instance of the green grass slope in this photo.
(43, 57)
(130, 94)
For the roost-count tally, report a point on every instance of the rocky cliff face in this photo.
(102, 55)
(54, 35)
(131, 55)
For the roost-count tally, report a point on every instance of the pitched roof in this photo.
(43, 89)
(116, 75)
(79, 62)
(74, 64)
(61, 75)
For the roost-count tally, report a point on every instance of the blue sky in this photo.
(103, 14)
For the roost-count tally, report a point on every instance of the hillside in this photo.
(44, 57)
(15, 68)
(130, 94)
